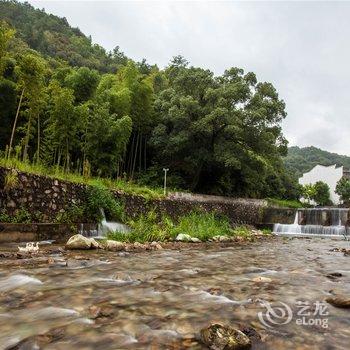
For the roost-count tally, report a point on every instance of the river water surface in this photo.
(161, 299)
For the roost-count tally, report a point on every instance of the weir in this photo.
(321, 222)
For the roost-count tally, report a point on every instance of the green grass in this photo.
(128, 187)
(148, 228)
(11, 180)
(266, 231)
(286, 203)
(202, 225)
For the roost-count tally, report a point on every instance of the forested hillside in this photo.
(301, 160)
(67, 103)
(53, 36)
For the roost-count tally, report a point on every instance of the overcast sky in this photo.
(301, 47)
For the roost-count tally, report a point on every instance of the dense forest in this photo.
(300, 160)
(66, 102)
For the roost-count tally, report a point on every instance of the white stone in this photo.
(182, 237)
(79, 242)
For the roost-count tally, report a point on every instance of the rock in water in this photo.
(115, 245)
(339, 301)
(80, 242)
(94, 244)
(219, 337)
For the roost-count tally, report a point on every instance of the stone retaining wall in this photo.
(44, 198)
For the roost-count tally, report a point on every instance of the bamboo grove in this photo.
(66, 102)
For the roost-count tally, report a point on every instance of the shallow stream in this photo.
(161, 299)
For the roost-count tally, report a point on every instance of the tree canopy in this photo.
(66, 102)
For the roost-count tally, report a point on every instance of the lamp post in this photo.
(165, 172)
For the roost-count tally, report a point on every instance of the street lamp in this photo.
(165, 172)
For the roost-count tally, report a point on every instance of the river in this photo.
(161, 299)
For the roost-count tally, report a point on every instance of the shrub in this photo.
(11, 180)
(71, 215)
(343, 189)
(21, 216)
(322, 194)
(99, 197)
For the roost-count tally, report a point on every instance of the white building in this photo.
(328, 174)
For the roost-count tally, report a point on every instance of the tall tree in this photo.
(30, 72)
(83, 82)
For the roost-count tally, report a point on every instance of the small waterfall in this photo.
(323, 222)
(88, 230)
(106, 227)
(103, 228)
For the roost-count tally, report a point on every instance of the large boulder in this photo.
(219, 337)
(81, 242)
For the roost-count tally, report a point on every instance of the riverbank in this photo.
(58, 254)
(164, 298)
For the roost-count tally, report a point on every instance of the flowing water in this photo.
(161, 299)
(324, 222)
(103, 228)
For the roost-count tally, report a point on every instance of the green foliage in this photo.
(202, 225)
(73, 214)
(301, 160)
(97, 198)
(53, 36)
(309, 192)
(11, 180)
(266, 231)
(21, 216)
(228, 128)
(83, 82)
(322, 194)
(106, 141)
(79, 105)
(6, 34)
(241, 231)
(343, 189)
(8, 102)
(58, 173)
(146, 228)
(149, 227)
(285, 203)
(318, 192)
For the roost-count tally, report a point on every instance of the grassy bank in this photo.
(286, 203)
(57, 173)
(204, 226)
